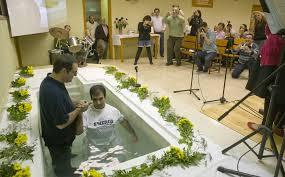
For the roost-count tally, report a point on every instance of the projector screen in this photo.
(27, 17)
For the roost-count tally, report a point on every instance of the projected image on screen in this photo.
(57, 13)
(27, 17)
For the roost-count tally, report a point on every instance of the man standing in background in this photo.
(176, 22)
(91, 26)
(159, 28)
(102, 38)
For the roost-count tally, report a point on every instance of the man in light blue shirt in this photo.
(203, 58)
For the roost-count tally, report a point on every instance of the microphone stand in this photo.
(192, 73)
(222, 99)
(137, 84)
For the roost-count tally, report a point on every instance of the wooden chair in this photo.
(216, 62)
(188, 45)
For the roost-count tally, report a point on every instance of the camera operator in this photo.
(208, 38)
(247, 51)
(144, 29)
(176, 22)
(195, 21)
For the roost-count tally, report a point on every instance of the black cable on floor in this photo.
(252, 109)
(244, 155)
(250, 112)
(201, 92)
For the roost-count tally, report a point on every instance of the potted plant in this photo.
(121, 23)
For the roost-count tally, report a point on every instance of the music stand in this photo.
(192, 73)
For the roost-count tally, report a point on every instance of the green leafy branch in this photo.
(173, 157)
(127, 83)
(119, 75)
(163, 105)
(110, 69)
(142, 92)
(185, 128)
(15, 153)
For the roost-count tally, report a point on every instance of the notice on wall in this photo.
(202, 3)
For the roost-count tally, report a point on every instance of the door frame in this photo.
(110, 25)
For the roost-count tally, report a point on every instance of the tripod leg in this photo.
(229, 171)
(272, 110)
(191, 84)
(279, 161)
(241, 141)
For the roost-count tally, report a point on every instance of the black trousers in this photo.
(139, 51)
(61, 158)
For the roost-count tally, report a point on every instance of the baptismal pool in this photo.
(149, 140)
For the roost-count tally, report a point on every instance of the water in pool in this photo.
(100, 157)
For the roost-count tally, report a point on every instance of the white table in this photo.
(120, 39)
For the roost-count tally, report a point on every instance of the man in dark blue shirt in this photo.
(59, 115)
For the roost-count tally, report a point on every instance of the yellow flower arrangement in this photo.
(177, 152)
(19, 111)
(20, 95)
(14, 170)
(185, 128)
(17, 166)
(18, 82)
(91, 173)
(23, 92)
(21, 139)
(23, 172)
(27, 71)
(183, 122)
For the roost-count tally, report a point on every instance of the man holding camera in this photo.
(248, 51)
(208, 38)
(176, 22)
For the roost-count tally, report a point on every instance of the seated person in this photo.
(99, 121)
(243, 31)
(247, 51)
(220, 33)
(208, 38)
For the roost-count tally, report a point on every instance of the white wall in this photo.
(8, 60)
